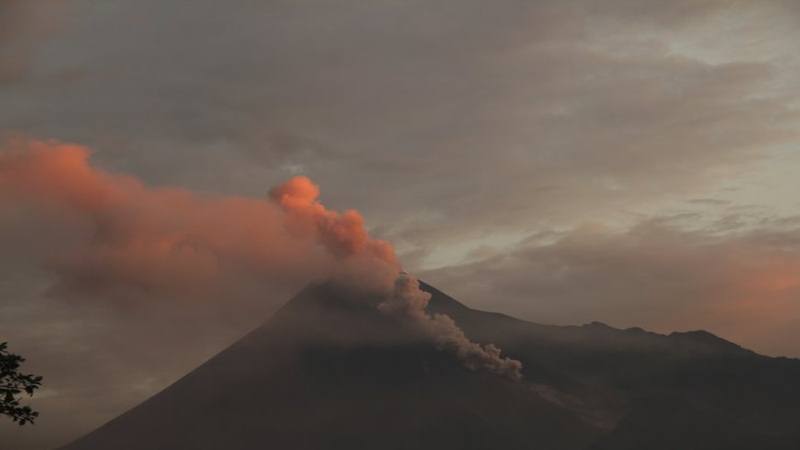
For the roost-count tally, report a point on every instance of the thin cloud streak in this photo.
(744, 285)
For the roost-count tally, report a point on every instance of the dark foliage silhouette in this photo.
(13, 385)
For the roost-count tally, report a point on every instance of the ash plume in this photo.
(345, 235)
(408, 300)
(111, 231)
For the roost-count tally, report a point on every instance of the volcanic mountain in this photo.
(326, 372)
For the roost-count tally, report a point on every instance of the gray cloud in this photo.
(24, 27)
(743, 285)
(431, 99)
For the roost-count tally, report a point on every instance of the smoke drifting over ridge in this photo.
(344, 235)
(409, 301)
(115, 232)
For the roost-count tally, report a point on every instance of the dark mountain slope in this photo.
(329, 373)
(326, 373)
(688, 390)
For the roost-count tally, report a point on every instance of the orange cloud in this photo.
(154, 238)
(343, 234)
(133, 236)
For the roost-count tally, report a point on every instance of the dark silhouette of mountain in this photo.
(327, 372)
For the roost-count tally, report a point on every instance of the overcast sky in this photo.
(628, 161)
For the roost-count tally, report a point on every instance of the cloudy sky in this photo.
(628, 161)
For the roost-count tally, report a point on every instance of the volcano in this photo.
(326, 372)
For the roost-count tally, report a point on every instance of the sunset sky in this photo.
(633, 162)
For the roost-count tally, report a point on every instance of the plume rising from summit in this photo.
(107, 231)
(344, 235)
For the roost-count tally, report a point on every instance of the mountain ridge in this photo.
(328, 372)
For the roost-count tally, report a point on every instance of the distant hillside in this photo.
(326, 373)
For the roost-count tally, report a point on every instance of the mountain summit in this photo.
(327, 372)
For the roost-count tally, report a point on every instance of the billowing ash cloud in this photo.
(409, 301)
(344, 235)
(114, 231)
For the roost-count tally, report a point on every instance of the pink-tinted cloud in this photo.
(132, 236)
